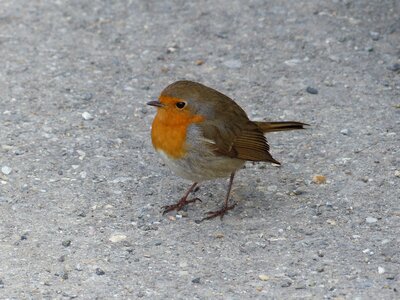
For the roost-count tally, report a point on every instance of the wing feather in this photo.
(246, 142)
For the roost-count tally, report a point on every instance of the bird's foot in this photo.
(220, 213)
(179, 205)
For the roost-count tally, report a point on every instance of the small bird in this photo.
(201, 134)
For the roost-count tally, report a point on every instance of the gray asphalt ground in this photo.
(81, 187)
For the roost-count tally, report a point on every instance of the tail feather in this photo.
(280, 126)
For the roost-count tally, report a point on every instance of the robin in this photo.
(201, 134)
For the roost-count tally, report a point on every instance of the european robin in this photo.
(201, 134)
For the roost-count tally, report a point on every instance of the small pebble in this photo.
(81, 214)
(331, 222)
(144, 111)
(369, 49)
(263, 277)
(345, 131)
(182, 213)
(370, 220)
(292, 62)
(286, 283)
(397, 173)
(381, 270)
(1, 284)
(196, 280)
(298, 191)
(319, 179)
(300, 286)
(311, 90)
(117, 238)
(164, 69)
(66, 243)
(87, 96)
(199, 62)
(365, 179)
(100, 271)
(19, 152)
(172, 49)
(64, 275)
(395, 67)
(329, 83)
(374, 35)
(219, 235)
(6, 170)
(87, 116)
(334, 58)
(320, 269)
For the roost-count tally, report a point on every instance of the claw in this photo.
(220, 213)
(182, 202)
(179, 205)
(196, 199)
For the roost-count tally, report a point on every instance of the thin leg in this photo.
(182, 202)
(222, 211)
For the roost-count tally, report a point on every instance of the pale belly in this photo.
(197, 168)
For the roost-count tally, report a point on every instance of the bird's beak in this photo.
(155, 103)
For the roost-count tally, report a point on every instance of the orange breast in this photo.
(168, 132)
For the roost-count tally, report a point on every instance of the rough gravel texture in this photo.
(81, 186)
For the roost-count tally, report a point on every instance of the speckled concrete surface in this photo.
(81, 186)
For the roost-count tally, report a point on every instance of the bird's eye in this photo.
(180, 105)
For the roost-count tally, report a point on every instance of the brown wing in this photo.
(245, 142)
(251, 144)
